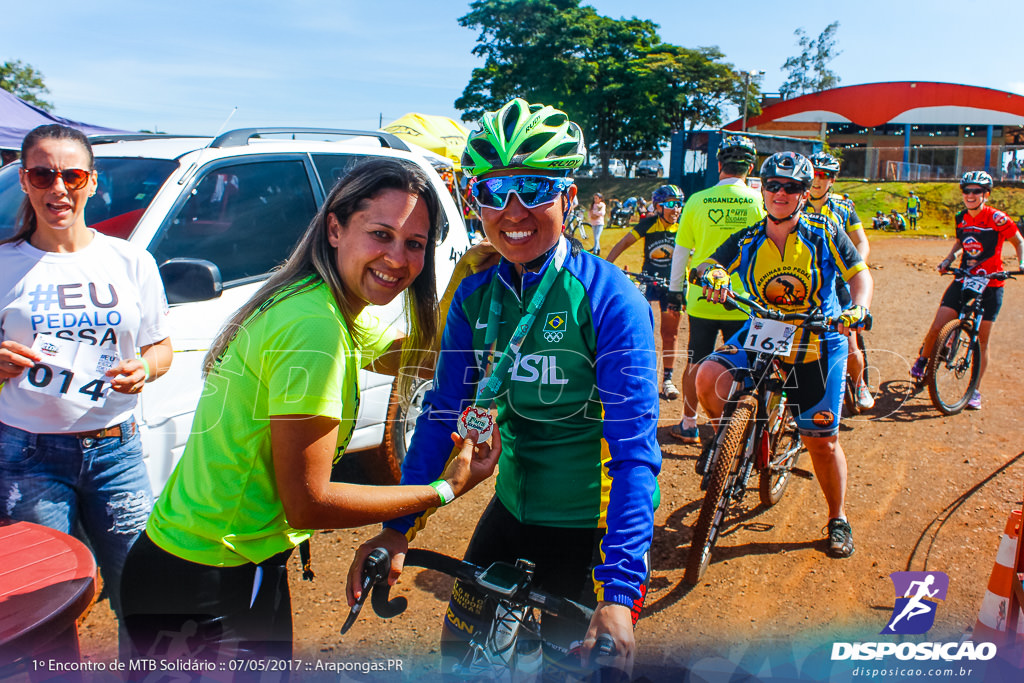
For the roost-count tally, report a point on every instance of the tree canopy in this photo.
(25, 82)
(808, 71)
(626, 88)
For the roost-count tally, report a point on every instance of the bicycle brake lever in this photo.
(375, 569)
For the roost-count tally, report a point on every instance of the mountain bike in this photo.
(755, 430)
(954, 369)
(511, 649)
(576, 228)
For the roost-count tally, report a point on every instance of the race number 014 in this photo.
(41, 376)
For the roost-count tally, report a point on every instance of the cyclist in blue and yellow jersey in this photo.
(981, 232)
(913, 209)
(562, 342)
(841, 212)
(789, 262)
(658, 232)
(708, 219)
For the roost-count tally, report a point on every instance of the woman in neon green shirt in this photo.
(278, 408)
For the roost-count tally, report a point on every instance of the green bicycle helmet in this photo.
(521, 135)
(737, 148)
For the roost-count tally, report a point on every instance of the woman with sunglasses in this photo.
(789, 261)
(981, 232)
(278, 408)
(658, 231)
(83, 328)
(562, 343)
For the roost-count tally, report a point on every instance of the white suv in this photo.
(218, 215)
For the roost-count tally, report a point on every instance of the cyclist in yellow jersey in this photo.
(658, 231)
(708, 219)
(789, 261)
(842, 213)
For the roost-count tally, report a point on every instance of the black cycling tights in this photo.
(179, 610)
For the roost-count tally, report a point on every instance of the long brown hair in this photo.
(51, 131)
(313, 261)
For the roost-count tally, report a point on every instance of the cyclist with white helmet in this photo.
(789, 262)
(708, 219)
(842, 213)
(981, 232)
(658, 232)
(562, 343)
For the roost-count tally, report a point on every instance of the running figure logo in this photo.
(917, 596)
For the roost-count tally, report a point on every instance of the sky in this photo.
(185, 66)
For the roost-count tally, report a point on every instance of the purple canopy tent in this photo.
(18, 117)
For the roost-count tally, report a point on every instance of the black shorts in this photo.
(704, 334)
(661, 295)
(176, 609)
(991, 299)
(564, 558)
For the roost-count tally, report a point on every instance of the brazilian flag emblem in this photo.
(554, 328)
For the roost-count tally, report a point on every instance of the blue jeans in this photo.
(97, 485)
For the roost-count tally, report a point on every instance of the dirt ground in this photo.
(926, 492)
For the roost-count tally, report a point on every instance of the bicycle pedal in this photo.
(803, 474)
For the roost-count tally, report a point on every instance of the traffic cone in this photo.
(991, 624)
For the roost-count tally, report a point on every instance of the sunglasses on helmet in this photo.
(790, 187)
(532, 190)
(43, 178)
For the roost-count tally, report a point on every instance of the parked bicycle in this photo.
(512, 649)
(756, 430)
(579, 230)
(954, 369)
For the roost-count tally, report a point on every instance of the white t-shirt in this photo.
(108, 295)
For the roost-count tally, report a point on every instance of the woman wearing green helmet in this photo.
(575, 493)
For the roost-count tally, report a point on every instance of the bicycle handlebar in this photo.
(645, 279)
(998, 275)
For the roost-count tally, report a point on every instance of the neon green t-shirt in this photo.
(221, 506)
(709, 217)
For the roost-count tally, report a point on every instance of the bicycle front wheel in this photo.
(585, 234)
(954, 368)
(785, 451)
(725, 469)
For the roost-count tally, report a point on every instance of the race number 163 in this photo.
(770, 336)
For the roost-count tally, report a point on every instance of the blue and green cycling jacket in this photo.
(578, 412)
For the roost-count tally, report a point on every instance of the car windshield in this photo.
(124, 189)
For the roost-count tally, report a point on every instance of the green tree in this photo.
(808, 71)
(626, 88)
(25, 82)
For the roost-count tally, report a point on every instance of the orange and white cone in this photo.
(991, 625)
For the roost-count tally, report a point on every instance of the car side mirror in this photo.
(190, 279)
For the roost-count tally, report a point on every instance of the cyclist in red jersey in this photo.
(981, 232)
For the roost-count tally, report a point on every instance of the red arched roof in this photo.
(875, 104)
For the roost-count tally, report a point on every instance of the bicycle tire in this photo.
(783, 456)
(585, 235)
(725, 469)
(952, 347)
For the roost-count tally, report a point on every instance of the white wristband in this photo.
(444, 491)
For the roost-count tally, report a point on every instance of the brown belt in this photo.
(106, 433)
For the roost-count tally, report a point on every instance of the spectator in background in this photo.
(913, 209)
(879, 222)
(73, 459)
(595, 216)
(8, 156)
(897, 222)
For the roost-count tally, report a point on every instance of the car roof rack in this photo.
(240, 137)
(128, 137)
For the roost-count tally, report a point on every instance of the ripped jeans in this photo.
(97, 485)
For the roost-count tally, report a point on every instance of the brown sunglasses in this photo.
(43, 178)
